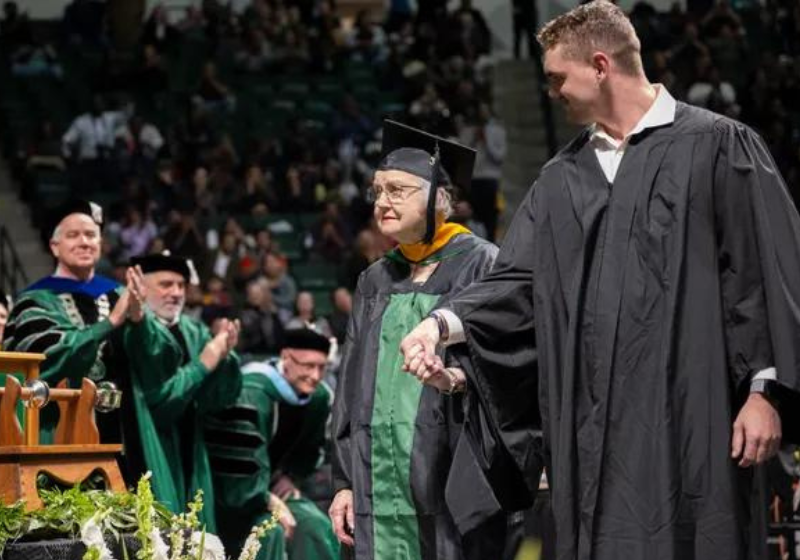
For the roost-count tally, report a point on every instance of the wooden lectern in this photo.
(77, 451)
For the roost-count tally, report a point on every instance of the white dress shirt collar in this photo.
(660, 113)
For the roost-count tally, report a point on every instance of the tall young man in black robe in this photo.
(652, 274)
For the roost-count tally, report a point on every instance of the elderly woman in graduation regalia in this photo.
(408, 487)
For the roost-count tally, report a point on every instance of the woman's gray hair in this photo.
(444, 197)
(444, 202)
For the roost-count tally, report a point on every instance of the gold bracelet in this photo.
(455, 383)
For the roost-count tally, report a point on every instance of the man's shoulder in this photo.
(476, 247)
(697, 120)
(36, 294)
(556, 163)
(33, 301)
(255, 375)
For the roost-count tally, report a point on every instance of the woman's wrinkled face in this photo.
(400, 205)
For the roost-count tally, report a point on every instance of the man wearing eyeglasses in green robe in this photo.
(267, 445)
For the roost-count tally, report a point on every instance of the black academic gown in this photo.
(397, 444)
(653, 302)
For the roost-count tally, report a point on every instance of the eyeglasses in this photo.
(394, 193)
(308, 366)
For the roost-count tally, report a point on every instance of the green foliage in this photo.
(144, 517)
(92, 553)
(65, 511)
(12, 523)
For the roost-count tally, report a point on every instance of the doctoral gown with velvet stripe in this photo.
(647, 304)
(67, 320)
(261, 436)
(397, 444)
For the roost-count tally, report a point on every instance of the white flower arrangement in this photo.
(160, 548)
(95, 515)
(92, 538)
(212, 548)
(253, 543)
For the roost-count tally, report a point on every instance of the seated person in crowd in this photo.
(262, 330)
(283, 287)
(306, 316)
(266, 445)
(342, 308)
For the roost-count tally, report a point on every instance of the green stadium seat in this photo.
(318, 110)
(299, 89)
(307, 220)
(315, 275)
(290, 244)
(323, 306)
(277, 219)
(330, 93)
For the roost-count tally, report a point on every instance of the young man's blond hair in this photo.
(596, 26)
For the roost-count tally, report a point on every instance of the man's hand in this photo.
(756, 431)
(343, 517)
(285, 489)
(137, 290)
(419, 350)
(120, 311)
(234, 328)
(215, 350)
(441, 379)
(285, 517)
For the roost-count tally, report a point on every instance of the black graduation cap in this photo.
(158, 262)
(306, 339)
(440, 162)
(76, 206)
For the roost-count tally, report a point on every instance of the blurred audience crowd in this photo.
(243, 134)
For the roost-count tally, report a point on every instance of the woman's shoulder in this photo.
(475, 247)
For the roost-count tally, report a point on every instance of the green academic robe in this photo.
(172, 391)
(260, 435)
(67, 320)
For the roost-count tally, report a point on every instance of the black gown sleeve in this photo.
(758, 233)
(341, 460)
(500, 361)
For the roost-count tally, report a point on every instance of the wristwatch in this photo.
(768, 388)
(456, 385)
(444, 329)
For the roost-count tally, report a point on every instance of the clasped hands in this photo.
(421, 361)
(756, 431)
(130, 304)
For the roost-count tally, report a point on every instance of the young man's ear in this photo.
(601, 64)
